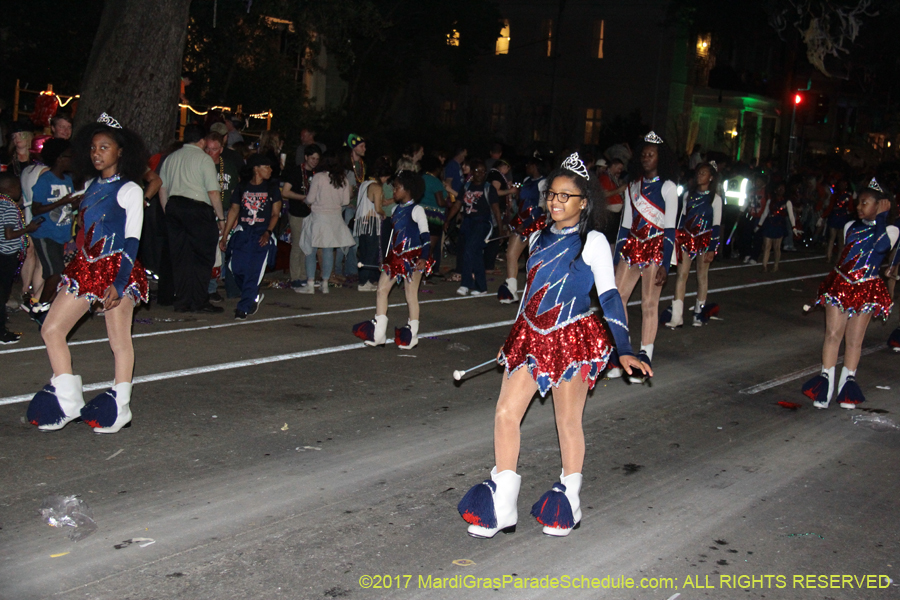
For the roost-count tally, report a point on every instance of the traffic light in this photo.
(798, 99)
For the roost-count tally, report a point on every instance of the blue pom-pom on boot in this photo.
(490, 506)
(57, 404)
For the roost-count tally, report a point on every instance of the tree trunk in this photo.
(134, 68)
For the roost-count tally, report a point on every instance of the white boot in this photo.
(118, 397)
(309, 289)
(573, 488)
(505, 499)
(51, 409)
(512, 285)
(698, 310)
(378, 338)
(414, 329)
(677, 314)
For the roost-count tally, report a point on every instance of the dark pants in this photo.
(368, 253)
(9, 266)
(750, 241)
(472, 234)
(192, 243)
(248, 264)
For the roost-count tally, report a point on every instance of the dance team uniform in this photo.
(647, 233)
(530, 216)
(411, 243)
(838, 211)
(855, 288)
(773, 221)
(557, 338)
(701, 220)
(112, 214)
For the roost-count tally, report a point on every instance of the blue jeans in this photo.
(327, 262)
(368, 254)
(346, 261)
(472, 234)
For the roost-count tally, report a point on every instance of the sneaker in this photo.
(477, 293)
(462, 290)
(39, 312)
(215, 297)
(240, 315)
(698, 322)
(614, 373)
(367, 287)
(10, 337)
(753, 261)
(318, 283)
(256, 304)
(746, 259)
(298, 283)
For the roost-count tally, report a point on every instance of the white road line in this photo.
(767, 385)
(239, 323)
(352, 310)
(743, 266)
(256, 361)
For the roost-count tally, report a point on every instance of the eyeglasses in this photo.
(561, 196)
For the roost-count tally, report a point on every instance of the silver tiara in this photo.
(108, 120)
(653, 138)
(714, 166)
(574, 164)
(874, 186)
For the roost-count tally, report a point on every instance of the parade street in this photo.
(278, 457)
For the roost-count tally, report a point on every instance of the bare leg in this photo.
(835, 326)
(684, 270)
(385, 284)
(516, 393)
(650, 293)
(568, 406)
(514, 250)
(63, 315)
(626, 278)
(29, 266)
(411, 288)
(118, 328)
(855, 333)
(767, 247)
(777, 244)
(702, 277)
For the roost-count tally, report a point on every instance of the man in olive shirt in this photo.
(191, 198)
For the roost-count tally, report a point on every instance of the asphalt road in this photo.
(278, 458)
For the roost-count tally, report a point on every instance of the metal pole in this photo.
(16, 103)
(792, 141)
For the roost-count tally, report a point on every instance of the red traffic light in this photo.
(798, 98)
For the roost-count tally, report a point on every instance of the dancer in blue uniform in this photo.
(697, 237)
(852, 294)
(556, 343)
(773, 224)
(647, 238)
(408, 260)
(254, 212)
(105, 271)
(838, 214)
(529, 218)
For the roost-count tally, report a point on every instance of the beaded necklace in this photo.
(360, 176)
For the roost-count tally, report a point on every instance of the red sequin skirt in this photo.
(525, 224)
(870, 296)
(641, 253)
(402, 265)
(86, 278)
(580, 347)
(692, 245)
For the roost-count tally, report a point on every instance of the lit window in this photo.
(453, 38)
(448, 113)
(503, 40)
(703, 42)
(592, 119)
(547, 34)
(597, 48)
(498, 117)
